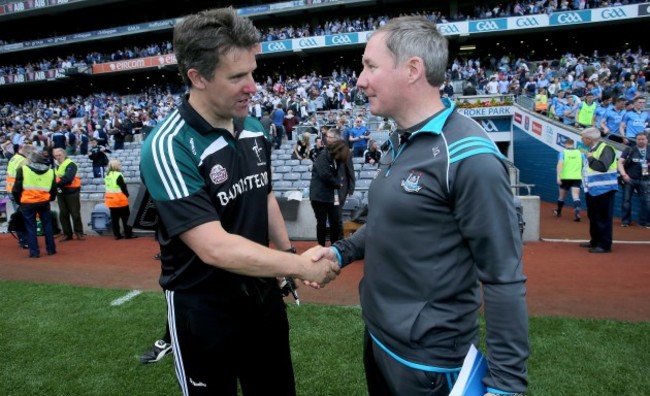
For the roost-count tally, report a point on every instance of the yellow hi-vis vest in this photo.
(598, 183)
(16, 162)
(586, 114)
(60, 172)
(36, 187)
(572, 165)
(114, 197)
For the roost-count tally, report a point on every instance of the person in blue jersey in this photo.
(634, 121)
(603, 105)
(558, 104)
(207, 167)
(441, 222)
(570, 110)
(600, 185)
(610, 123)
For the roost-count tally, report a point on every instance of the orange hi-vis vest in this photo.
(16, 162)
(114, 197)
(60, 172)
(36, 187)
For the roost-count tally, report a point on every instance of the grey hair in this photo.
(202, 38)
(417, 36)
(35, 157)
(591, 133)
(27, 150)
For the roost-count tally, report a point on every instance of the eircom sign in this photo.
(342, 39)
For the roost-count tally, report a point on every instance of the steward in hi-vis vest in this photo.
(114, 196)
(35, 187)
(600, 185)
(116, 199)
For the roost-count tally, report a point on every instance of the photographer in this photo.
(97, 155)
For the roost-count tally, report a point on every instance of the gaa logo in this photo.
(526, 22)
(613, 13)
(486, 26)
(489, 126)
(569, 17)
(341, 39)
(276, 46)
(448, 29)
(307, 42)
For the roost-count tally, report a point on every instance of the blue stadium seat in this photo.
(302, 184)
(368, 174)
(350, 206)
(292, 176)
(292, 162)
(282, 185)
(363, 184)
(283, 169)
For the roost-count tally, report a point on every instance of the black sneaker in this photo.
(557, 213)
(159, 350)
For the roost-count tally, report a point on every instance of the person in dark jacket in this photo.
(346, 175)
(98, 156)
(434, 248)
(324, 189)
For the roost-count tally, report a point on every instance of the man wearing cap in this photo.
(601, 185)
(35, 187)
(15, 163)
(633, 168)
(492, 87)
(586, 112)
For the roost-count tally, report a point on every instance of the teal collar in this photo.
(439, 120)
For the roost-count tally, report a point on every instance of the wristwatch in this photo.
(291, 250)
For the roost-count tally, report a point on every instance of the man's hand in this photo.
(321, 267)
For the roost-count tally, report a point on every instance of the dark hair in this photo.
(201, 38)
(339, 150)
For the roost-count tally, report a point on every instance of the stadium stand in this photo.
(323, 81)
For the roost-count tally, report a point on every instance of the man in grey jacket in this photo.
(440, 220)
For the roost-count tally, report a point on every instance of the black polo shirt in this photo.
(197, 174)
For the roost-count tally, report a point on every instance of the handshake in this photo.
(319, 266)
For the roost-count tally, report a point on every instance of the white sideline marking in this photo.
(587, 240)
(126, 298)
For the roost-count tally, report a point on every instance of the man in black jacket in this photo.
(97, 155)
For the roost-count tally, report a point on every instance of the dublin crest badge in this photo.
(412, 183)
